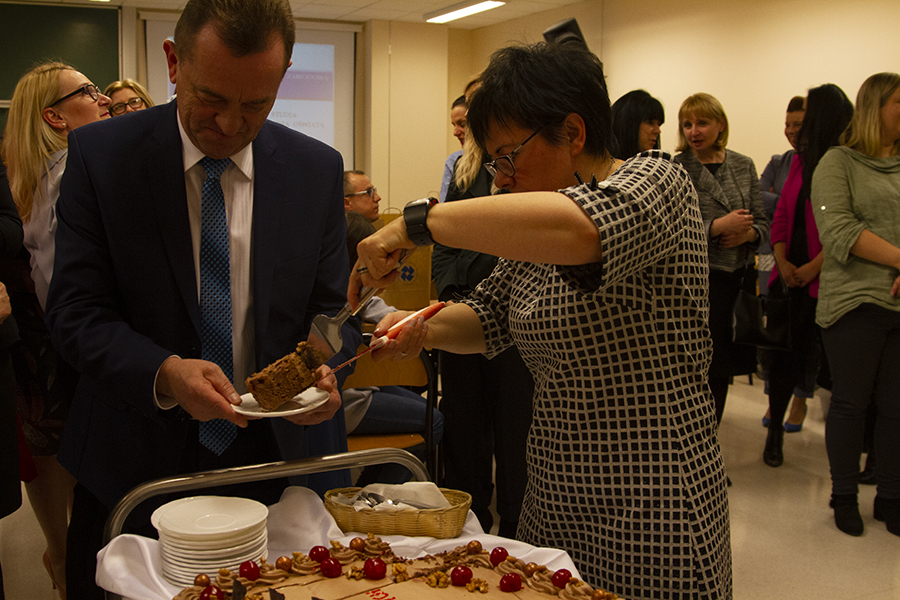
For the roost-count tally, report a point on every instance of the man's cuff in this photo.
(163, 402)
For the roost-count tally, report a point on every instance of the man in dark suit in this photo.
(123, 305)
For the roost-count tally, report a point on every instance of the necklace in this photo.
(612, 163)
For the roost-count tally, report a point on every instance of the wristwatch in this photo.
(415, 214)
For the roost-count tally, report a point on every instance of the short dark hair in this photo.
(244, 26)
(461, 101)
(628, 112)
(348, 185)
(797, 103)
(537, 86)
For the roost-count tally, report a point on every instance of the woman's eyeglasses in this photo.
(88, 89)
(119, 107)
(504, 164)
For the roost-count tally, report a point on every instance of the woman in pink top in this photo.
(798, 260)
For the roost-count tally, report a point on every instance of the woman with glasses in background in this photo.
(601, 286)
(49, 101)
(127, 96)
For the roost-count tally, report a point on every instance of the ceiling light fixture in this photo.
(460, 10)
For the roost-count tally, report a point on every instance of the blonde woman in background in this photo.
(735, 223)
(481, 399)
(127, 96)
(49, 101)
(856, 204)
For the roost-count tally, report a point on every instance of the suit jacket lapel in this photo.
(164, 168)
(267, 193)
(706, 181)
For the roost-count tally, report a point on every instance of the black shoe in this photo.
(773, 455)
(846, 514)
(888, 510)
(867, 476)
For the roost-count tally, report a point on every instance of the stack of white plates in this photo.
(207, 533)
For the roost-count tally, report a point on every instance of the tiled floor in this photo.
(784, 541)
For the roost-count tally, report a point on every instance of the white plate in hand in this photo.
(307, 400)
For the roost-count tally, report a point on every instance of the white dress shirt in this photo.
(237, 185)
(40, 229)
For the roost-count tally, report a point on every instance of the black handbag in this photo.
(762, 321)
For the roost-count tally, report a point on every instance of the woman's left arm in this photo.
(872, 247)
(760, 226)
(876, 249)
(540, 227)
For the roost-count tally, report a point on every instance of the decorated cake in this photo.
(369, 570)
(286, 377)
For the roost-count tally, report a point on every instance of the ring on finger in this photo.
(362, 270)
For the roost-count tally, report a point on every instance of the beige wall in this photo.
(751, 54)
(405, 123)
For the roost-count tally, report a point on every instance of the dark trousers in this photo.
(487, 406)
(799, 366)
(863, 350)
(85, 535)
(729, 359)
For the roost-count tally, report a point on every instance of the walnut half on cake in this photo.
(286, 377)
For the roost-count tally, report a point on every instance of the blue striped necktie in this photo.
(215, 294)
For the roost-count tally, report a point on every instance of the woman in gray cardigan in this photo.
(856, 205)
(735, 223)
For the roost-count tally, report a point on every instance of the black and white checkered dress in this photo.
(625, 471)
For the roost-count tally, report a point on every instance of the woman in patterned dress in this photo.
(602, 287)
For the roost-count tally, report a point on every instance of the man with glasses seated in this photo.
(389, 409)
(360, 195)
(127, 96)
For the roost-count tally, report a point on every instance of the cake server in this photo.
(325, 331)
(426, 313)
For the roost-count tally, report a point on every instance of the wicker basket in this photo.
(431, 522)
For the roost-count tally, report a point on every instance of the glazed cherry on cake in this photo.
(498, 555)
(511, 582)
(460, 575)
(212, 592)
(375, 569)
(249, 570)
(331, 568)
(319, 553)
(561, 578)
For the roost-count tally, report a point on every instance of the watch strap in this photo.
(415, 215)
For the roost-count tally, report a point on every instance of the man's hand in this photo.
(201, 388)
(5, 307)
(328, 382)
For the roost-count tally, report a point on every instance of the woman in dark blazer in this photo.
(735, 223)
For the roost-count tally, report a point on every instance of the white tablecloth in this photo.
(130, 565)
